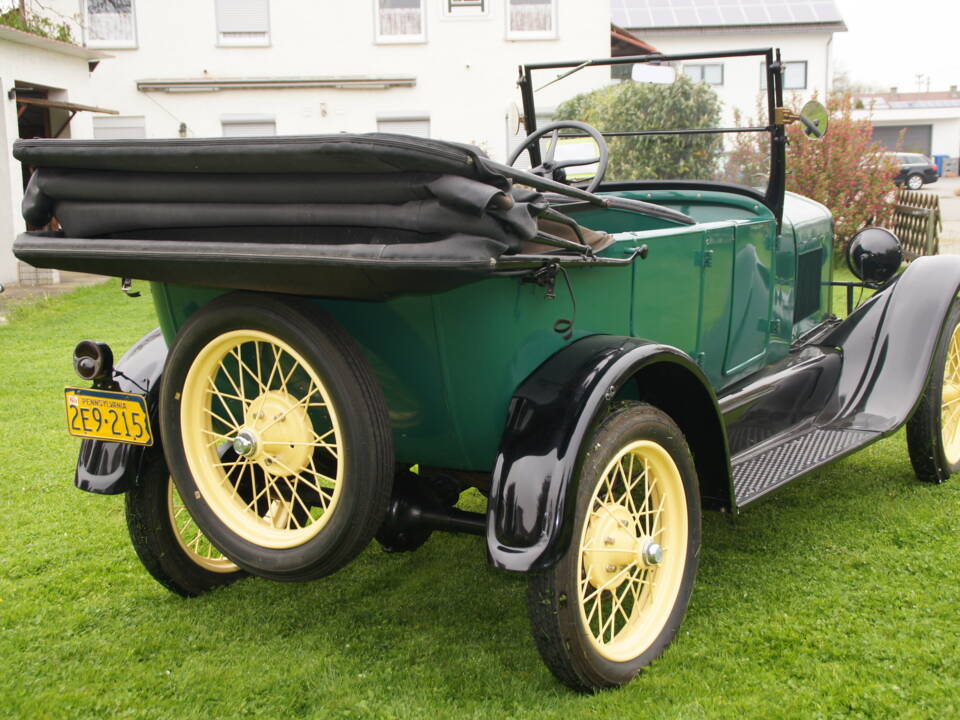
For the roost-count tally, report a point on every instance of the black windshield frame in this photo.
(776, 184)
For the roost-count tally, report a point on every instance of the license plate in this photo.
(108, 415)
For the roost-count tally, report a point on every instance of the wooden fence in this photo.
(917, 222)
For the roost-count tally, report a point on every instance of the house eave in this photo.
(56, 46)
(212, 84)
(699, 30)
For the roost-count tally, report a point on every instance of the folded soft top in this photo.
(337, 215)
(342, 153)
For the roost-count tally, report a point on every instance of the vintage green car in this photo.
(354, 329)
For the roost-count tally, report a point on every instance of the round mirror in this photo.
(874, 255)
(514, 119)
(814, 118)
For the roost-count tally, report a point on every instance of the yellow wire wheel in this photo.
(616, 599)
(276, 434)
(933, 432)
(950, 400)
(194, 543)
(167, 541)
(251, 392)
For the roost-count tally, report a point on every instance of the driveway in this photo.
(947, 189)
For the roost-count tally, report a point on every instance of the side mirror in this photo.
(814, 117)
(874, 255)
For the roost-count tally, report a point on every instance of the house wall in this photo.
(70, 76)
(741, 87)
(465, 70)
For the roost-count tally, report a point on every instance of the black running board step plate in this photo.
(757, 473)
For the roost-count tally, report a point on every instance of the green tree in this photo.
(645, 106)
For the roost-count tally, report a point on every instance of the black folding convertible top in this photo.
(337, 215)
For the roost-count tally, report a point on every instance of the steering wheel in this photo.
(553, 169)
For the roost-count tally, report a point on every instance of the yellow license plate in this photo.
(108, 415)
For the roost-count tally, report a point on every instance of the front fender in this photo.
(108, 468)
(551, 414)
(888, 345)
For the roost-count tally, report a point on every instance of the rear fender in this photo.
(551, 415)
(108, 468)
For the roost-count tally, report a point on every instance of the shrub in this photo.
(845, 170)
(644, 106)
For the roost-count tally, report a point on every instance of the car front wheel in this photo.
(933, 433)
(616, 599)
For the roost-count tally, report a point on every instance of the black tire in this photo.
(170, 547)
(932, 431)
(914, 181)
(281, 382)
(566, 607)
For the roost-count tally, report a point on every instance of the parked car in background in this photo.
(916, 170)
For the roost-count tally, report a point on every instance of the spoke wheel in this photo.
(277, 435)
(192, 542)
(614, 602)
(251, 391)
(167, 541)
(933, 433)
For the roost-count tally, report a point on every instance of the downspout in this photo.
(826, 84)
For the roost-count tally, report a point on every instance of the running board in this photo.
(763, 469)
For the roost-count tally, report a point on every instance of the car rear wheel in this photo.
(933, 433)
(277, 435)
(167, 541)
(915, 182)
(616, 599)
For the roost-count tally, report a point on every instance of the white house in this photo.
(802, 29)
(195, 68)
(439, 68)
(46, 93)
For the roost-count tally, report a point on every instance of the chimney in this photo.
(953, 91)
(893, 90)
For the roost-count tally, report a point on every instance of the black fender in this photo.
(551, 415)
(108, 468)
(888, 345)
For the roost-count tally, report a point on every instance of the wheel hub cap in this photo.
(612, 544)
(282, 431)
(245, 443)
(652, 553)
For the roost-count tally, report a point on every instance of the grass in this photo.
(836, 598)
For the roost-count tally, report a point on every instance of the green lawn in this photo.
(839, 597)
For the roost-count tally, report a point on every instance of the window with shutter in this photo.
(109, 24)
(465, 8)
(119, 127)
(243, 23)
(416, 126)
(248, 125)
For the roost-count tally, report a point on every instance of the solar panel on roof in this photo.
(713, 13)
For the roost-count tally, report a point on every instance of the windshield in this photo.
(692, 117)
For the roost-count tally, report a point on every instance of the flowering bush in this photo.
(845, 170)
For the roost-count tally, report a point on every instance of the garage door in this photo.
(916, 138)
